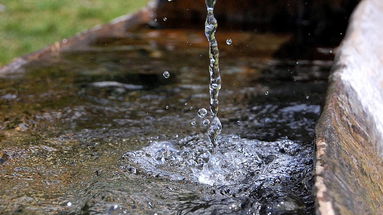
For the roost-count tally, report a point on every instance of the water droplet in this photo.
(165, 19)
(166, 74)
(69, 204)
(167, 107)
(202, 112)
(115, 207)
(193, 123)
(307, 97)
(206, 122)
(170, 0)
(266, 92)
(234, 207)
(229, 42)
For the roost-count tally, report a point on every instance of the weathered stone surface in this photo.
(349, 135)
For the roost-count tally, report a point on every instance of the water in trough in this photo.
(119, 127)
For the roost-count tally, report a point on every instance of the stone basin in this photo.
(348, 168)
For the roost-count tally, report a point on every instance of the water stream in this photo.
(215, 75)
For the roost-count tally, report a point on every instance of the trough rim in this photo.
(327, 201)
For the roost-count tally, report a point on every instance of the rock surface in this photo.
(349, 135)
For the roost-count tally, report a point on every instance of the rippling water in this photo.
(101, 130)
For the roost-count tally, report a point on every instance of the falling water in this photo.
(215, 76)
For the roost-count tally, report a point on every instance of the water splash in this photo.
(253, 177)
(215, 75)
(235, 159)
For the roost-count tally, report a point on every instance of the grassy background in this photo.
(29, 25)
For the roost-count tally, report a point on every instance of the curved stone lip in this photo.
(116, 27)
(349, 165)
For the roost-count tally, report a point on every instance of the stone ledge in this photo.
(349, 168)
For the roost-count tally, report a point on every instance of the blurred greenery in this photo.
(29, 25)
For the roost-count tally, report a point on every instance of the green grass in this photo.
(29, 25)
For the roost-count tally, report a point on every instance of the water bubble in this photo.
(229, 42)
(193, 123)
(165, 19)
(115, 207)
(69, 204)
(166, 74)
(206, 122)
(307, 97)
(209, 28)
(202, 112)
(266, 92)
(167, 107)
(234, 207)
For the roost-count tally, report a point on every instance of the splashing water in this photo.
(215, 75)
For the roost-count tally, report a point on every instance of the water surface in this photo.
(100, 130)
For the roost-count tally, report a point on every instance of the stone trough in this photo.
(349, 134)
